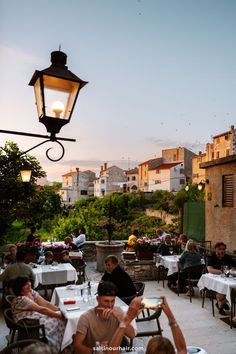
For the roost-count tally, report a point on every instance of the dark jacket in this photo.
(122, 280)
(215, 262)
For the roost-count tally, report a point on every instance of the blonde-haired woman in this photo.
(189, 258)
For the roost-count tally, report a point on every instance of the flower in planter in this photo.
(28, 247)
(146, 244)
(55, 247)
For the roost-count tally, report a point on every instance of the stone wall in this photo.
(140, 270)
(160, 214)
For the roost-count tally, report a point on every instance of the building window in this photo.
(218, 155)
(181, 171)
(174, 157)
(182, 181)
(158, 181)
(83, 192)
(228, 191)
(127, 178)
(133, 178)
(226, 137)
(157, 171)
(102, 181)
(212, 155)
(227, 152)
(145, 184)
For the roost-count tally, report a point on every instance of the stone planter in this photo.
(104, 249)
(143, 254)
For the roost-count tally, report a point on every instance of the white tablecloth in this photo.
(72, 317)
(218, 283)
(170, 262)
(59, 274)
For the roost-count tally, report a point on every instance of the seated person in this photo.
(48, 257)
(166, 248)
(156, 344)
(31, 236)
(79, 240)
(68, 242)
(100, 323)
(215, 263)
(190, 257)
(181, 242)
(115, 274)
(160, 234)
(131, 241)
(28, 303)
(11, 257)
(17, 269)
(65, 257)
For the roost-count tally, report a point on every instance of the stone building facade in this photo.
(132, 180)
(76, 185)
(220, 201)
(111, 179)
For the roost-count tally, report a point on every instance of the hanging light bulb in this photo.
(58, 107)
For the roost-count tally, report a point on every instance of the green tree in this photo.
(12, 190)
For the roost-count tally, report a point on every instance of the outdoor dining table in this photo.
(219, 283)
(54, 274)
(170, 262)
(84, 301)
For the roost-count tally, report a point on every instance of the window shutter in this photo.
(228, 191)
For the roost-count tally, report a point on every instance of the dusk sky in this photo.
(162, 74)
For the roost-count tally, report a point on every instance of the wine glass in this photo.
(171, 250)
(226, 270)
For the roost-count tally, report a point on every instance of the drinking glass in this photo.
(171, 250)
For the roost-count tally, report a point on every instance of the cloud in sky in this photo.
(168, 143)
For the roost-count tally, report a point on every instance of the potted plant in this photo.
(30, 249)
(145, 248)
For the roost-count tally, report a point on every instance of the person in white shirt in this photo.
(79, 241)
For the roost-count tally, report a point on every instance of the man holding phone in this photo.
(100, 323)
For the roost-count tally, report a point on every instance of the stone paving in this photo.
(200, 328)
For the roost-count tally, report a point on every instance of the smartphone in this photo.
(152, 302)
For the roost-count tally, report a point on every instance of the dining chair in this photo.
(24, 329)
(191, 275)
(140, 286)
(233, 306)
(6, 301)
(148, 326)
(212, 295)
(162, 274)
(18, 345)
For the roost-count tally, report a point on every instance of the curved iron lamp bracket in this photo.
(51, 138)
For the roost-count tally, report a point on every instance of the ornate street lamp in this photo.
(201, 185)
(25, 173)
(56, 90)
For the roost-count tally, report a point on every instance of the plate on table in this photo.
(71, 287)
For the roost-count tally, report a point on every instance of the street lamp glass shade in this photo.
(56, 90)
(25, 174)
(200, 186)
(186, 188)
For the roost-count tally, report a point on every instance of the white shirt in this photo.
(80, 240)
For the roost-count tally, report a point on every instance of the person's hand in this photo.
(104, 312)
(134, 309)
(118, 313)
(165, 307)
